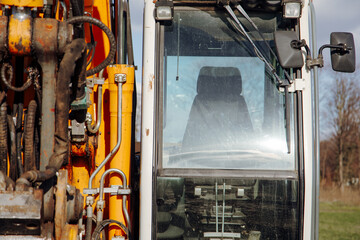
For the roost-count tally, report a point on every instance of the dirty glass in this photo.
(198, 208)
(222, 106)
(223, 109)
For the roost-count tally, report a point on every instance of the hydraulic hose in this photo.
(73, 53)
(29, 132)
(89, 212)
(67, 66)
(6, 68)
(76, 8)
(12, 155)
(106, 222)
(18, 130)
(3, 137)
(109, 59)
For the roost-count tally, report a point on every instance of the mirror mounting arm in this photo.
(319, 61)
(310, 62)
(341, 47)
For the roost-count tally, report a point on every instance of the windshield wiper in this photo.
(244, 13)
(267, 63)
(256, 49)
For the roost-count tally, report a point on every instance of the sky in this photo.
(334, 16)
(331, 16)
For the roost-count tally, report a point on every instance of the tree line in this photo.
(340, 150)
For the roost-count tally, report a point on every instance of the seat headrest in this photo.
(219, 80)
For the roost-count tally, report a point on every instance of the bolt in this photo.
(120, 78)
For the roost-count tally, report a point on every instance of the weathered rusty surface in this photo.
(45, 42)
(45, 46)
(22, 237)
(3, 33)
(47, 130)
(45, 33)
(60, 205)
(23, 3)
(82, 150)
(19, 34)
(64, 36)
(20, 212)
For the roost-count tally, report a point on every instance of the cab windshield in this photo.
(224, 131)
(223, 107)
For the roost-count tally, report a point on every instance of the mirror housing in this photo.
(343, 60)
(289, 57)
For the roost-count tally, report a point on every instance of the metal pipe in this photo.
(117, 146)
(95, 128)
(316, 163)
(101, 192)
(124, 198)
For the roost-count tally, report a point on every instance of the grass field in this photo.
(339, 221)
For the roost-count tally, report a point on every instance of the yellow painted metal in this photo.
(101, 11)
(70, 232)
(80, 166)
(80, 172)
(122, 159)
(23, 3)
(19, 35)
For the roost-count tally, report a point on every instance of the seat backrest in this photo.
(219, 116)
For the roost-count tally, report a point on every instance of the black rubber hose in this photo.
(73, 53)
(12, 156)
(29, 134)
(88, 228)
(3, 137)
(18, 129)
(103, 224)
(6, 68)
(76, 8)
(110, 57)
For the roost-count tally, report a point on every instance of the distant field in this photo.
(339, 221)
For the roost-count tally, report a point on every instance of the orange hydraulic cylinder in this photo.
(20, 35)
(23, 3)
(121, 160)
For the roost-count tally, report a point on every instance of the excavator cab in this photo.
(226, 140)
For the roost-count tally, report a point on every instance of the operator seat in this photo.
(219, 117)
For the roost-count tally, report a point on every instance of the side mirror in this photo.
(343, 60)
(289, 57)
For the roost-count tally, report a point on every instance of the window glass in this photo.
(222, 106)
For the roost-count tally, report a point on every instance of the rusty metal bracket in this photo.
(20, 212)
